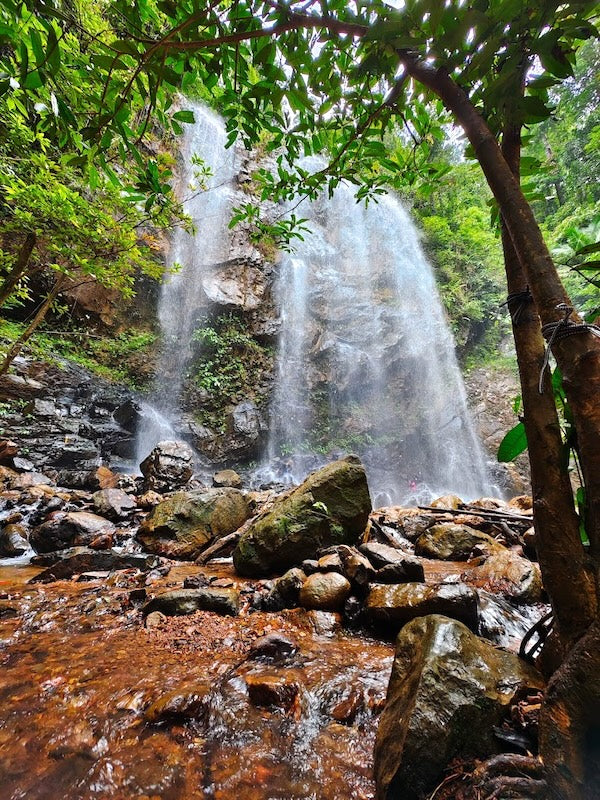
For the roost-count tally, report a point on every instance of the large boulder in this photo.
(455, 543)
(332, 506)
(391, 607)
(169, 466)
(183, 525)
(447, 690)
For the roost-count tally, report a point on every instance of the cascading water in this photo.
(182, 296)
(366, 360)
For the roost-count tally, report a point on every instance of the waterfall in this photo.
(182, 299)
(366, 360)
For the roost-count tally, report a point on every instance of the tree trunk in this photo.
(33, 325)
(558, 543)
(570, 723)
(19, 269)
(578, 356)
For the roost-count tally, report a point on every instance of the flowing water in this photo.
(99, 707)
(182, 300)
(366, 360)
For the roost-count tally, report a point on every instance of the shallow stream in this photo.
(98, 706)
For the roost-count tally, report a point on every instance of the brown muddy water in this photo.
(94, 705)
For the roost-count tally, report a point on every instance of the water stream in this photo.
(366, 359)
(182, 298)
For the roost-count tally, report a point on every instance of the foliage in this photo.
(226, 352)
(112, 358)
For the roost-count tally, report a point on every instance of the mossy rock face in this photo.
(186, 523)
(332, 506)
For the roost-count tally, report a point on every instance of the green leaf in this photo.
(52, 51)
(513, 444)
(589, 248)
(184, 116)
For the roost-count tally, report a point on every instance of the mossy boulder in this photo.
(186, 523)
(332, 506)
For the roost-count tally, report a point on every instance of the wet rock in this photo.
(347, 709)
(40, 408)
(90, 561)
(508, 574)
(26, 479)
(149, 499)
(285, 591)
(357, 568)
(447, 501)
(391, 607)
(447, 690)
(113, 504)
(415, 525)
(455, 543)
(392, 573)
(330, 507)
(186, 523)
(169, 466)
(23, 464)
(330, 563)
(8, 450)
(227, 477)
(71, 528)
(186, 601)
(236, 283)
(155, 619)
(381, 555)
(129, 415)
(310, 565)
(8, 609)
(523, 502)
(272, 690)
(325, 591)
(13, 540)
(272, 647)
(190, 701)
(102, 478)
(196, 581)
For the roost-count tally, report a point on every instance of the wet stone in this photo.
(325, 591)
(113, 504)
(227, 477)
(391, 607)
(187, 601)
(272, 690)
(272, 647)
(184, 703)
(93, 562)
(155, 619)
(455, 543)
(381, 555)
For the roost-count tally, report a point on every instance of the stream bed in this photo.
(99, 706)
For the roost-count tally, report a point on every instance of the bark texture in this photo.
(562, 558)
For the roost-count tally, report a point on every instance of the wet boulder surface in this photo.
(447, 690)
(331, 507)
(183, 525)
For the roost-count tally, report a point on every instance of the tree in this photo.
(325, 73)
